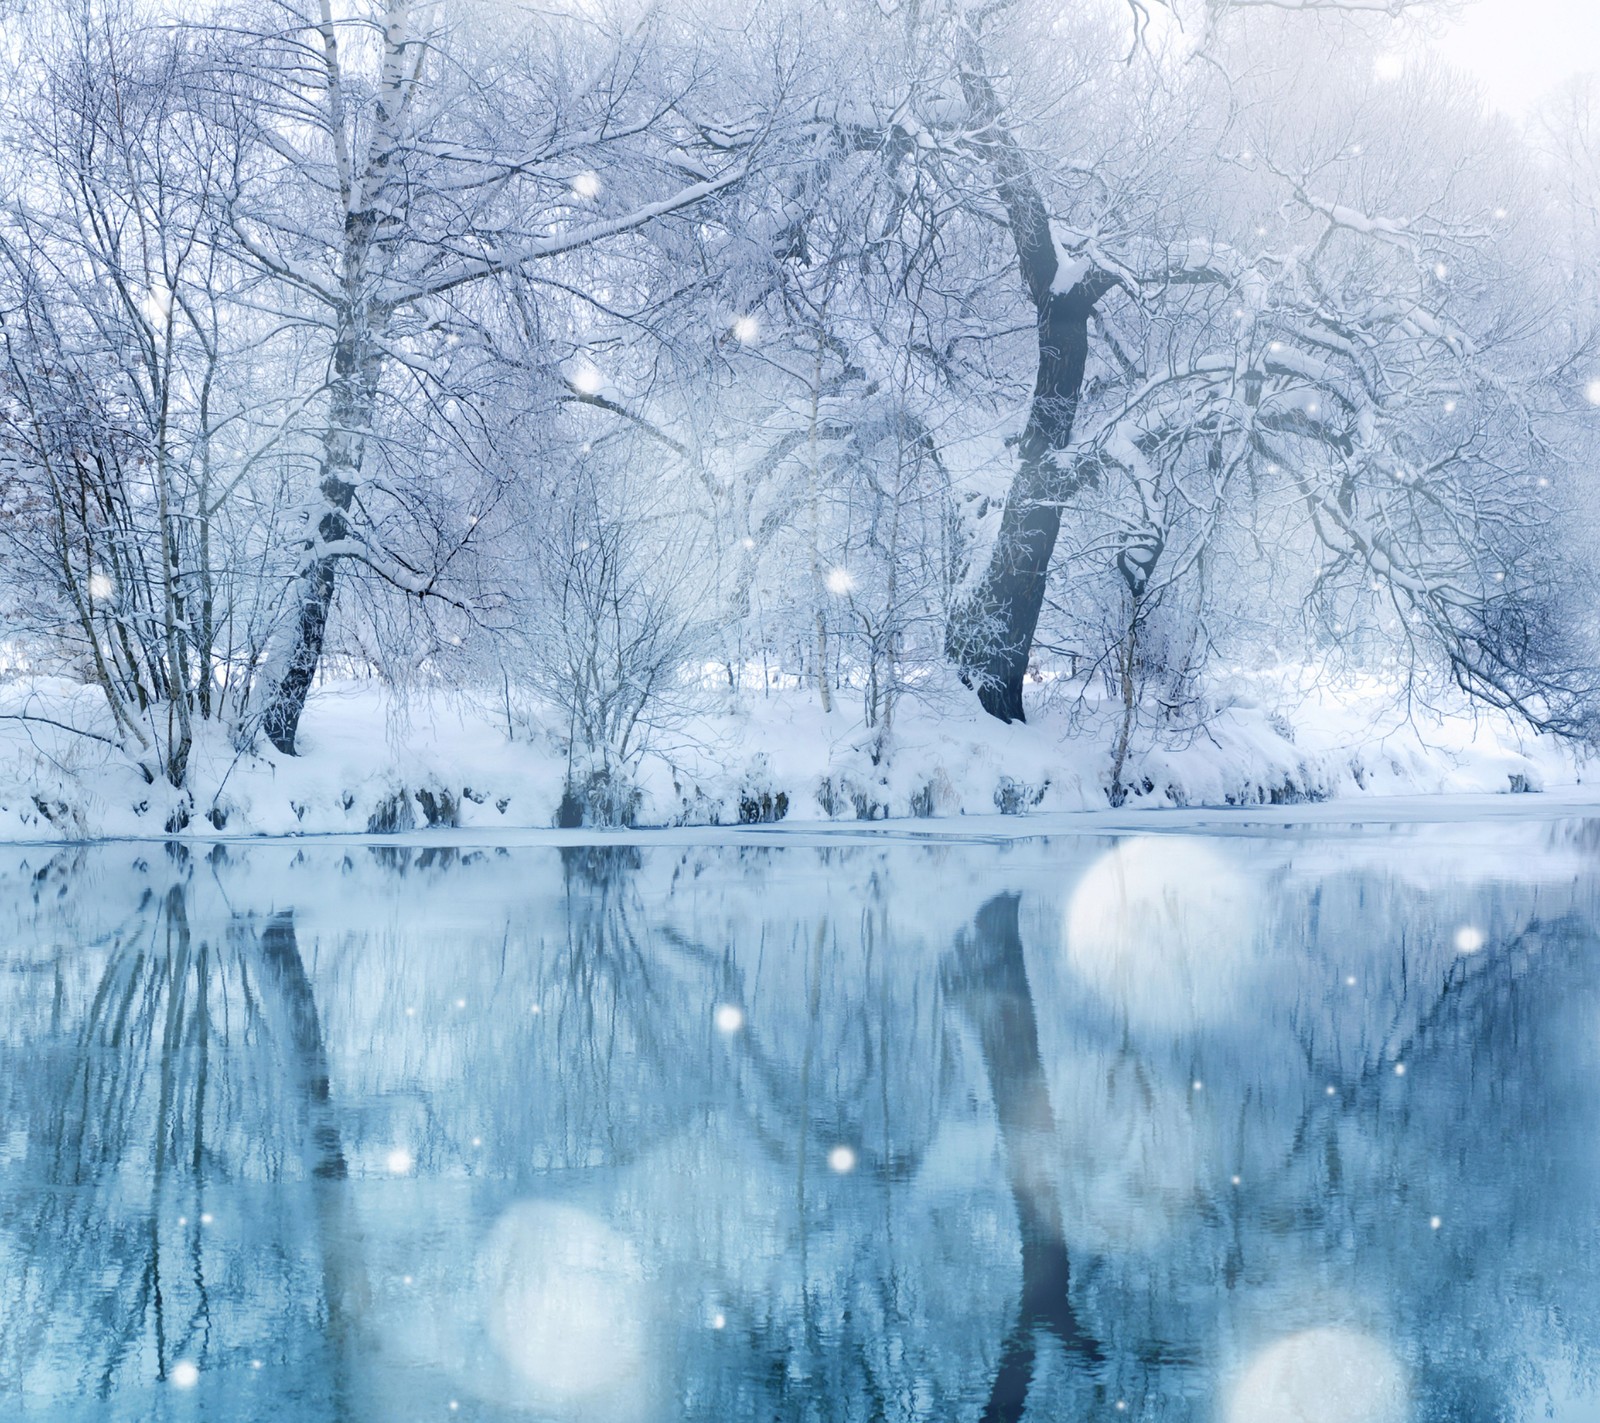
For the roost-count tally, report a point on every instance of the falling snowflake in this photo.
(728, 1018)
(842, 1159)
(840, 581)
(587, 380)
(747, 328)
(587, 185)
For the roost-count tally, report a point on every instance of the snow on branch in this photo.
(1396, 231)
(511, 257)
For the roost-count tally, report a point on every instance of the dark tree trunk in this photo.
(991, 636)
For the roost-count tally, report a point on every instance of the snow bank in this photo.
(374, 764)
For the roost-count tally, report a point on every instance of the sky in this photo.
(1519, 49)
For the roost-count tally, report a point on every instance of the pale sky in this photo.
(1518, 49)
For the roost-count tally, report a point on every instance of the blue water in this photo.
(1277, 1124)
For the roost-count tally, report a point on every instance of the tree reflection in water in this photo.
(990, 981)
(195, 1073)
(305, 1106)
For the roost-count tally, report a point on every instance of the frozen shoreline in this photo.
(441, 771)
(1442, 808)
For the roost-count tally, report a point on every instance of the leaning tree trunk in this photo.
(354, 395)
(374, 207)
(987, 976)
(991, 637)
(991, 634)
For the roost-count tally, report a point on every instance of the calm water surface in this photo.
(1272, 1125)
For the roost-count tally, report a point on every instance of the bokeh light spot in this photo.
(1330, 1375)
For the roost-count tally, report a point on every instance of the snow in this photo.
(443, 765)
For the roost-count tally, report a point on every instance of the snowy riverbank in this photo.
(374, 764)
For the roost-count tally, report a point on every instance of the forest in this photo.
(608, 371)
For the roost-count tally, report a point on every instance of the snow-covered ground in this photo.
(374, 763)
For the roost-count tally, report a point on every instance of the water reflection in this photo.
(990, 981)
(1247, 1128)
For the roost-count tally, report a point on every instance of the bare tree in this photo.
(131, 429)
(390, 181)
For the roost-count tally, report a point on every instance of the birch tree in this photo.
(388, 182)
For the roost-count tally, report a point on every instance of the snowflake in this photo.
(840, 581)
(587, 185)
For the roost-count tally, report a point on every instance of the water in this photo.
(1259, 1126)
